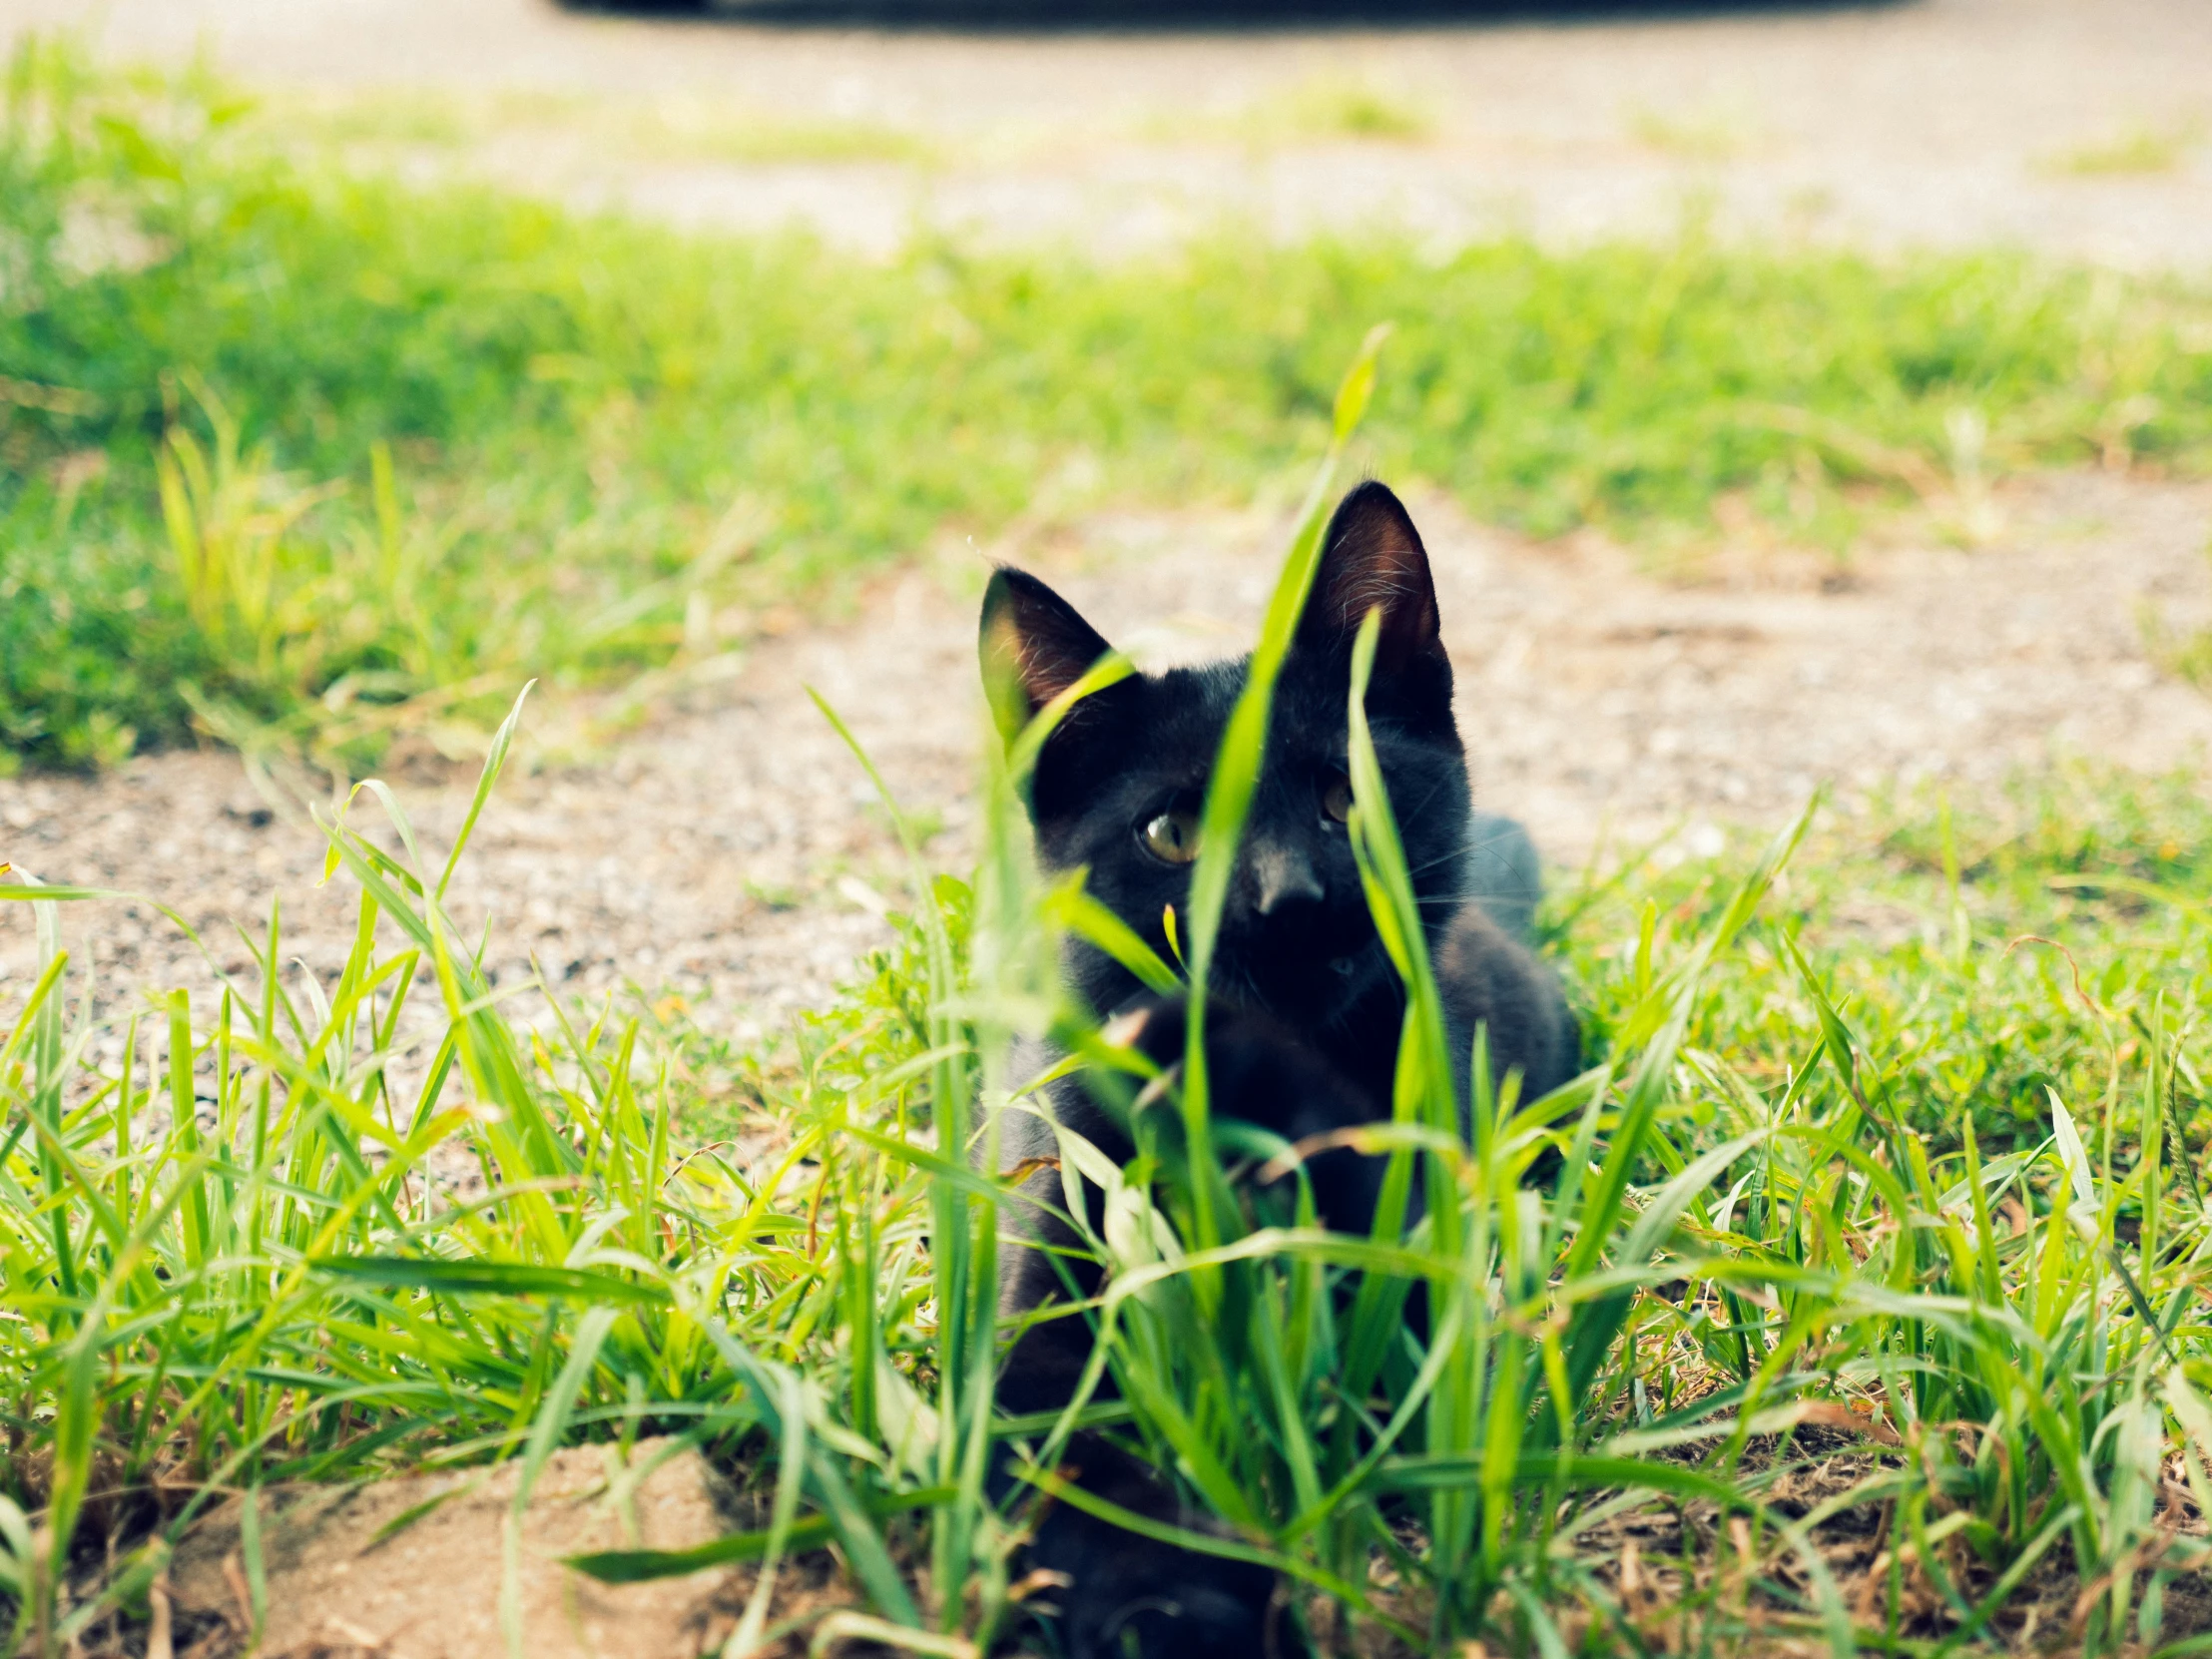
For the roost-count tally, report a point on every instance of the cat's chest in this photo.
(1360, 1042)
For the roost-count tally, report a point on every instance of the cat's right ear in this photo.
(1373, 559)
(1034, 646)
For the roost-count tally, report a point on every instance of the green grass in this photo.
(2186, 654)
(1710, 133)
(1861, 1183)
(448, 441)
(1320, 108)
(657, 130)
(2138, 152)
(1924, 914)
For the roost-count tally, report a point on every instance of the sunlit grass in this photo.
(670, 127)
(2184, 653)
(2142, 151)
(1326, 107)
(1887, 1188)
(1342, 107)
(1710, 133)
(473, 438)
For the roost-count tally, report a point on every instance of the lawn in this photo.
(1863, 1311)
(1866, 1312)
(293, 453)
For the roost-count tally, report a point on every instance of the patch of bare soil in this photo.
(417, 1569)
(731, 852)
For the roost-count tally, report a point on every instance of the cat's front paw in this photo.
(1153, 1026)
(1257, 1067)
(1262, 1072)
(1180, 1619)
(1124, 1596)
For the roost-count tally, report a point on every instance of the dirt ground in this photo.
(415, 1568)
(730, 851)
(2078, 127)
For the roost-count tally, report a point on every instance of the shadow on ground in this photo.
(1174, 16)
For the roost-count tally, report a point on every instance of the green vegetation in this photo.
(658, 128)
(1986, 958)
(2139, 150)
(1710, 133)
(1855, 1235)
(1327, 107)
(1321, 108)
(2185, 654)
(294, 453)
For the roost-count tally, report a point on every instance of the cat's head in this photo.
(1119, 784)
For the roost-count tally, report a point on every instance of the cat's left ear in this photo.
(1035, 645)
(1372, 557)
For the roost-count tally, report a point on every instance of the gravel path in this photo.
(731, 852)
(2075, 126)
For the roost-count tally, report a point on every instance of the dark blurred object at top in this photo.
(1199, 14)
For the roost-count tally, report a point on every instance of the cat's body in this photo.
(1305, 1008)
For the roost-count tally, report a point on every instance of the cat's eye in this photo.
(1336, 796)
(1172, 838)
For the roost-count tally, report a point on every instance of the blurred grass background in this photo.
(294, 451)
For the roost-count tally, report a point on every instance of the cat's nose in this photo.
(1283, 876)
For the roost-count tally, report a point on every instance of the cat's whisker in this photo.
(1440, 861)
(1409, 811)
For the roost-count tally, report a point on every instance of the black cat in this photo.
(1304, 1020)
